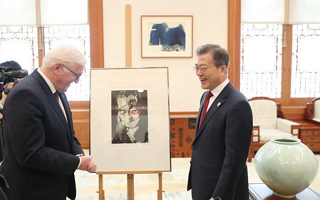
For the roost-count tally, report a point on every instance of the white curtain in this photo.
(17, 12)
(262, 11)
(280, 11)
(304, 12)
(43, 12)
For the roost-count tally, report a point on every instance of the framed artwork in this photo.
(166, 36)
(129, 119)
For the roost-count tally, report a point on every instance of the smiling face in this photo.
(65, 77)
(209, 75)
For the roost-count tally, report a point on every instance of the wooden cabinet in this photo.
(309, 134)
(182, 132)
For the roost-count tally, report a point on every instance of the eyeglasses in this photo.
(75, 74)
(201, 69)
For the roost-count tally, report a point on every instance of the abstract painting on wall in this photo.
(166, 36)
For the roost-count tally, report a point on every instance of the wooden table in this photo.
(259, 191)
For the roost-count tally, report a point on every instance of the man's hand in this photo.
(92, 167)
(87, 164)
(4, 95)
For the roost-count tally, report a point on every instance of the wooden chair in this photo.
(269, 122)
(312, 112)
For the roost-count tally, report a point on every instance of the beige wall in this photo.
(209, 26)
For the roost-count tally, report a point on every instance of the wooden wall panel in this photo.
(81, 128)
(234, 41)
(293, 113)
(81, 125)
(96, 34)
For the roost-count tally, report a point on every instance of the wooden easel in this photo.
(130, 182)
(130, 174)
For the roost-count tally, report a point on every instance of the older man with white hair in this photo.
(41, 151)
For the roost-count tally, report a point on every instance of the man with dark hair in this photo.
(223, 132)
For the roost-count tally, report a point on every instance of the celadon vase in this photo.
(286, 166)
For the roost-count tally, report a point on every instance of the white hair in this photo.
(66, 54)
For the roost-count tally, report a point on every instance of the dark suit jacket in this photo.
(40, 145)
(220, 148)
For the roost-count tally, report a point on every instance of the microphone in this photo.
(17, 74)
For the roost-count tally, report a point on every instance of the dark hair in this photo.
(220, 55)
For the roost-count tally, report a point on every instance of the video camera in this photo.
(7, 76)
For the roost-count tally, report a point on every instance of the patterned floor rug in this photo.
(146, 185)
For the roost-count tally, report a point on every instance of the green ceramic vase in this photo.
(286, 166)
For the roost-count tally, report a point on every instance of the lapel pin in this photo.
(218, 104)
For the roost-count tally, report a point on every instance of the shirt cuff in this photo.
(79, 163)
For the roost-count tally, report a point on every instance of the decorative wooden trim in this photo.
(183, 114)
(234, 41)
(286, 64)
(96, 33)
(128, 35)
(40, 45)
(309, 111)
(76, 105)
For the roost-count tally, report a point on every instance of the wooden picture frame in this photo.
(166, 36)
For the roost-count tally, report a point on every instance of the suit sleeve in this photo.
(38, 139)
(77, 148)
(237, 140)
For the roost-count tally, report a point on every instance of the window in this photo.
(261, 71)
(22, 44)
(78, 36)
(305, 73)
(296, 78)
(261, 60)
(35, 28)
